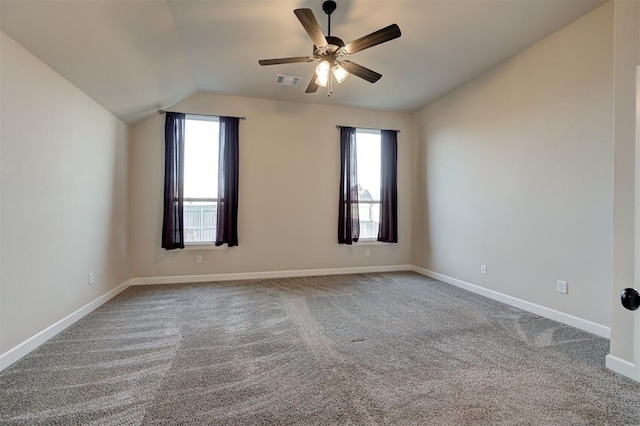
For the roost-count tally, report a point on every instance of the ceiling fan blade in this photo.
(360, 71)
(311, 26)
(313, 86)
(381, 36)
(294, 60)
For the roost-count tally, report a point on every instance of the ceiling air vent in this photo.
(287, 80)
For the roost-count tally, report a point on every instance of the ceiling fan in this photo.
(332, 51)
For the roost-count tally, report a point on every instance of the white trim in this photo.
(582, 324)
(13, 355)
(202, 117)
(636, 316)
(203, 246)
(268, 274)
(616, 364)
(370, 242)
(368, 130)
(622, 366)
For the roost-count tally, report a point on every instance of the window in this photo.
(369, 183)
(213, 164)
(201, 150)
(368, 197)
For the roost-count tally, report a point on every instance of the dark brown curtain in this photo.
(227, 221)
(172, 230)
(388, 230)
(348, 221)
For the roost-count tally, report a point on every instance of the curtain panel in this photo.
(348, 220)
(172, 229)
(227, 219)
(388, 230)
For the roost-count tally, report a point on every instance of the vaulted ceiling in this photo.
(136, 56)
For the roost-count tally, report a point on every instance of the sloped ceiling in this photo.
(136, 56)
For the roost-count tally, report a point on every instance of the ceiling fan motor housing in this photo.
(334, 44)
(334, 41)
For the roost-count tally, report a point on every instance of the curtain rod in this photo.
(161, 111)
(367, 128)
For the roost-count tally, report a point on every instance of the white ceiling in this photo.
(136, 56)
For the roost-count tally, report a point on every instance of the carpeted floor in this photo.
(392, 348)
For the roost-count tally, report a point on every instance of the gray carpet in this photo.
(393, 348)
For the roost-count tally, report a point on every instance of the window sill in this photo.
(371, 242)
(204, 246)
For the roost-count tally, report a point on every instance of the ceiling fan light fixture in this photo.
(323, 68)
(322, 80)
(339, 73)
(322, 71)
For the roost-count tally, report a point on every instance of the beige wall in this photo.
(514, 170)
(289, 180)
(63, 197)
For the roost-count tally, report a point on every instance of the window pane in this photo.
(369, 166)
(200, 221)
(201, 159)
(369, 219)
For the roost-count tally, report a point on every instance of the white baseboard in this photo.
(269, 274)
(582, 324)
(13, 355)
(623, 367)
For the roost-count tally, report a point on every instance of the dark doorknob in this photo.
(630, 299)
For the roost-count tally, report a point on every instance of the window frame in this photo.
(201, 245)
(369, 240)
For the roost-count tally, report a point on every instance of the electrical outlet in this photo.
(367, 252)
(483, 269)
(91, 279)
(199, 258)
(563, 287)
